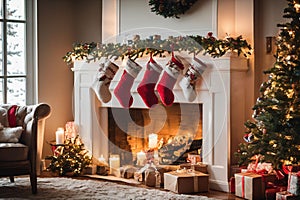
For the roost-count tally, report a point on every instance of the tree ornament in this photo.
(248, 137)
(170, 8)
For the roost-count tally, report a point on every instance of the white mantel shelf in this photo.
(221, 91)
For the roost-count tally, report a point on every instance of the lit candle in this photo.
(102, 159)
(152, 141)
(140, 158)
(114, 165)
(60, 136)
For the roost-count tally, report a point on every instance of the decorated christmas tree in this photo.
(274, 135)
(71, 157)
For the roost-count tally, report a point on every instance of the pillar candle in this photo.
(140, 158)
(60, 136)
(152, 141)
(114, 164)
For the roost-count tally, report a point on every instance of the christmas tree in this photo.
(71, 157)
(274, 135)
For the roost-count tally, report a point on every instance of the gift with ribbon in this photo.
(294, 183)
(152, 177)
(252, 185)
(272, 189)
(286, 196)
(293, 173)
(184, 181)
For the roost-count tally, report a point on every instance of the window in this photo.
(16, 46)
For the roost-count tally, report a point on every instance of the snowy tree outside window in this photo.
(13, 52)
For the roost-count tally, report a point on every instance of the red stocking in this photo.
(168, 80)
(147, 85)
(122, 91)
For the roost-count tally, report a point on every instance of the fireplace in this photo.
(178, 129)
(220, 100)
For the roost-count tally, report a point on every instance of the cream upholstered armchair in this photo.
(21, 140)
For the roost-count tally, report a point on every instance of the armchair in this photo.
(22, 156)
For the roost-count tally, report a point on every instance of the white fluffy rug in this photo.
(70, 188)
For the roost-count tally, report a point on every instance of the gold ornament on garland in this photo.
(170, 8)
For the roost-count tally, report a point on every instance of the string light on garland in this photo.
(170, 8)
(137, 47)
(80, 51)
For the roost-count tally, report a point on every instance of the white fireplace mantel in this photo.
(221, 90)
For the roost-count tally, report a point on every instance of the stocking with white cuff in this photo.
(104, 76)
(168, 80)
(122, 91)
(147, 85)
(188, 82)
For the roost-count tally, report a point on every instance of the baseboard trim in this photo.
(219, 185)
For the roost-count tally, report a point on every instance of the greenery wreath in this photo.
(170, 8)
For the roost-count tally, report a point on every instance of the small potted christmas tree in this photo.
(70, 158)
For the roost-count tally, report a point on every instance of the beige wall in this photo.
(199, 19)
(60, 24)
(268, 13)
(63, 22)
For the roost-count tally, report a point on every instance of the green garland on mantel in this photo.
(137, 47)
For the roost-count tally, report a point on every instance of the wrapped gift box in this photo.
(270, 193)
(127, 171)
(185, 182)
(166, 168)
(91, 169)
(198, 167)
(232, 185)
(286, 196)
(152, 177)
(252, 186)
(294, 183)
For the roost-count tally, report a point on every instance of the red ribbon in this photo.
(287, 168)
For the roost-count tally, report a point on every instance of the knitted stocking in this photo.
(122, 91)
